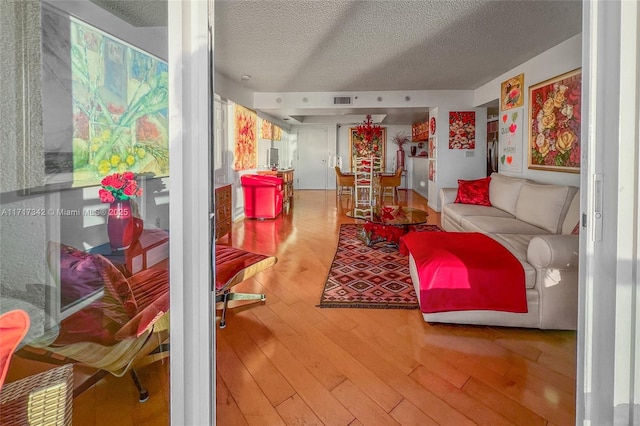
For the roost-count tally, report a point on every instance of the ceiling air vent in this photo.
(342, 100)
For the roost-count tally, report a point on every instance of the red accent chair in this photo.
(263, 196)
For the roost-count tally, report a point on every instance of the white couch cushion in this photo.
(504, 225)
(543, 205)
(504, 191)
(518, 244)
(573, 215)
(455, 212)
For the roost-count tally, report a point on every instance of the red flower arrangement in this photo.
(119, 186)
(368, 131)
(367, 138)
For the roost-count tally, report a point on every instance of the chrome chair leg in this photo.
(228, 295)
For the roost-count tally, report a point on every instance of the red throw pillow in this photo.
(474, 191)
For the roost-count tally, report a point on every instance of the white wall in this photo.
(232, 91)
(454, 164)
(564, 57)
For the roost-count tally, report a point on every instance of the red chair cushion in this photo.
(230, 261)
(13, 327)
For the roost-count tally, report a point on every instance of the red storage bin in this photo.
(262, 196)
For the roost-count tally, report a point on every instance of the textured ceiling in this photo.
(139, 13)
(345, 45)
(374, 45)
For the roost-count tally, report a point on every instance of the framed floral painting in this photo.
(266, 129)
(246, 129)
(462, 130)
(359, 147)
(554, 123)
(512, 93)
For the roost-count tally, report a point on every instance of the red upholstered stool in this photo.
(465, 271)
(233, 266)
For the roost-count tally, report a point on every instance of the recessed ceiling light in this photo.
(245, 77)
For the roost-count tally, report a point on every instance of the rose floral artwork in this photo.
(555, 119)
(462, 130)
(512, 93)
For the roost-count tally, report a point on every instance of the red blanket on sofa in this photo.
(465, 271)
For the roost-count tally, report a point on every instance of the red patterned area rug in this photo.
(369, 277)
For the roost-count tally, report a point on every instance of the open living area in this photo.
(341, 212)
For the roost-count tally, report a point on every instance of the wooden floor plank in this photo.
(251, 401)
(406, 413)
(313, 393)
(294, 411)
(422, 398)
(541, 379)
(506, 406)
(274, 386)
(548, 406)
(471, 408)
(359, 404)
(376, 389)
(309, 354)
(227, 410)
(413, 353)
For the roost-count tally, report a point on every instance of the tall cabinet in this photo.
(223, 210)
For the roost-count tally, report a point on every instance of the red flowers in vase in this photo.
(119, 186)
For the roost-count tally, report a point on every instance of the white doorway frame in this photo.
(608, 373)
(192, 359)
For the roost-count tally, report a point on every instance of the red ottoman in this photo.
(262, 196)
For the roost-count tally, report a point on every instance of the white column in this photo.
(608, 389)
(192, 321)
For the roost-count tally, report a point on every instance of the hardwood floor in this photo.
(290, 362)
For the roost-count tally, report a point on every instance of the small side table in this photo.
(388, 223)
(152, 247)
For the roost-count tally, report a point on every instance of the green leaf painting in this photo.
(120, 103)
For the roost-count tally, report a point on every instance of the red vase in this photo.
(122, 228)
(400, 158)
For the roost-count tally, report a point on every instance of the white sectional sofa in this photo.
(536, 222)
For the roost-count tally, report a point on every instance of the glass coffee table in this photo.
(387, 223)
